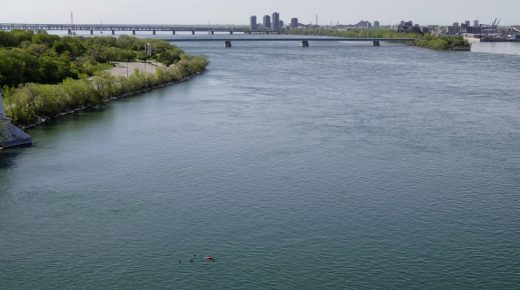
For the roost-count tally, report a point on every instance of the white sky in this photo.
(238, 11)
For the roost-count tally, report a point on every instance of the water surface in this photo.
(337, 166)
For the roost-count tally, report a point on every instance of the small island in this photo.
(443, 42)
(45, 76)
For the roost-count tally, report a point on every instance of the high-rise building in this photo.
(294, 23)
(267, 22)
(476, 23)
(376, 24)
(276, 21)
(468, 23)
(252, 23)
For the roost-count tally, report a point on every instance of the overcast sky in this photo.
(238, 11)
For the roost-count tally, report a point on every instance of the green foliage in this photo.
(27, 56)
(427, 40)
(45, 75)
(32, 102)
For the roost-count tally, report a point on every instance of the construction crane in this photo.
(490, 28)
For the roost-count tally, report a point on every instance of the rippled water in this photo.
(336, 166)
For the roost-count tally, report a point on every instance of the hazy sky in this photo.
(238, 11)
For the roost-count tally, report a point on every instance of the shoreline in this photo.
(73, 111)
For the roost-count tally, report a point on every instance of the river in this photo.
(339, 166)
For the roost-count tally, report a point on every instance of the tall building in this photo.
(468, 23)
(476, 23)
(267, 22)
(376, 24)
(252, 23)
(294, 23)
(276, 21)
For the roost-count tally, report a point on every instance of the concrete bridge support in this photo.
(69, 32)
(305, 43)
(153, 32)
(173, 32)
(193, 32)
(228, 43)
(231, 32)
(376, 43)
(212, 32)
(91, 32)
(113, 32)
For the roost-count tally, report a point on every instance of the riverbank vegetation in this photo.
(45, 76)
(426, 40)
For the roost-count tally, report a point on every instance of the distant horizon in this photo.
(237, 12)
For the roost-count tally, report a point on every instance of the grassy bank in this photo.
(456, 43)
(32, 103)
(46, 76)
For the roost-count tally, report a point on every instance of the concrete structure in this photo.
(10, 135)
(132, 28)
(376, 24)
(454, 29)
(252, 23)
(267, 22)
(275, 21)
(303, 39)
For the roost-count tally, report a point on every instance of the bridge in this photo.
(305, 40)
(113, 28)
(210, 29)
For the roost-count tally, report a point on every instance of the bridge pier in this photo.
(231, 32)
(193, 32)
(133, 32)
(153, 32)
(173, 32)
(69, 32)
(212, 32)
(113, 32)
(376, 43)
(228, 43)
(305, 43)
(91, 32)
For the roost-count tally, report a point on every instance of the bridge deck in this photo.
(302, 38)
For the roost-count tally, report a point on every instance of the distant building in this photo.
(276, 21)
(406, 26)
(476, 23)
(294, 23)
(376, 24)
(267, 22)
(468, 23)
(252, 23)
(363, 24)
(454, 29)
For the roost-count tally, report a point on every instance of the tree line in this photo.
(27, 56)
(426, 40)
(44, 75)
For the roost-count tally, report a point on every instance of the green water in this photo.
(340, 166)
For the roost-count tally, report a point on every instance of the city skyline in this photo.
(441, 12)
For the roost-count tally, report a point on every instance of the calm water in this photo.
(337, 166)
